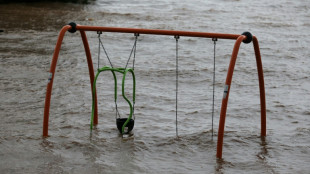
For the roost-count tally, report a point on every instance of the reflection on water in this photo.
(264, 152)
(26, 46)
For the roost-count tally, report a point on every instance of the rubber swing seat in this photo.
(121, 121)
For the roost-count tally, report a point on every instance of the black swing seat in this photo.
(121, 121)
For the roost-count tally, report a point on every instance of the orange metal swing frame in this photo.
(239, 38)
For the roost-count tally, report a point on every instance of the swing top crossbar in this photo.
(157, 32)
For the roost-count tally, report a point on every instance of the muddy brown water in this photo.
(26, 48)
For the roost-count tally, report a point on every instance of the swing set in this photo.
(125, 125)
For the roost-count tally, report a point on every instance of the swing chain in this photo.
(214, 50)
(101, 44)
(176, 82)
(133, 50)
(134, 53)
(116, 110)
(99, 33)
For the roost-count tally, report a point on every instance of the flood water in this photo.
(27, 43)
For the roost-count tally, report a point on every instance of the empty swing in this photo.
(177, 37)
(124, 125)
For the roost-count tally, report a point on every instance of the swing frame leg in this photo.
(227, 90)
(91, 73)
(52, 74)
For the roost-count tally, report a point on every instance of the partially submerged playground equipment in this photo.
(125, 125)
